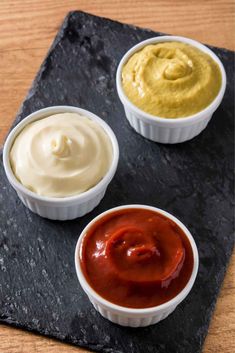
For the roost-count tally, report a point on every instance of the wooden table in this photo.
(27, 29)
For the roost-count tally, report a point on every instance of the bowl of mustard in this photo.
(170, 86)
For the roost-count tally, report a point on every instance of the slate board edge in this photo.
(60, 35)
(98, 347)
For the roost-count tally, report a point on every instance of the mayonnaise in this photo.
(61, 155)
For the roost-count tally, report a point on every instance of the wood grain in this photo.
(27, 29)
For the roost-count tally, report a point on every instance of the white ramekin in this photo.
(127, 316)
(161, 129)
(67, 207)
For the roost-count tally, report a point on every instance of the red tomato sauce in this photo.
(136, 258)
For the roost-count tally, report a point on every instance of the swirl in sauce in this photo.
(61, 155)
(136, 258)
(171, 79)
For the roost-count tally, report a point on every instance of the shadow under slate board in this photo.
(39, 289)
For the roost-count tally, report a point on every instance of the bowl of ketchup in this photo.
(136, 263)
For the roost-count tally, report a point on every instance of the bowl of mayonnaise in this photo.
(60, 161)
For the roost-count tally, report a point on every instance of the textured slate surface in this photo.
(38, 286)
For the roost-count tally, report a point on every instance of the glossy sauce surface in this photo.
(61, 155)
(136, 258)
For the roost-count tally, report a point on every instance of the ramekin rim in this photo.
(43, 113)
(170, 121)
(138, 311)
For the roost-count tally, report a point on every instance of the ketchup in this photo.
(136, 258)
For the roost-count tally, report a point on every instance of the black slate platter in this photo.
(39, 289)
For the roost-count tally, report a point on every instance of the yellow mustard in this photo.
(171, 79)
